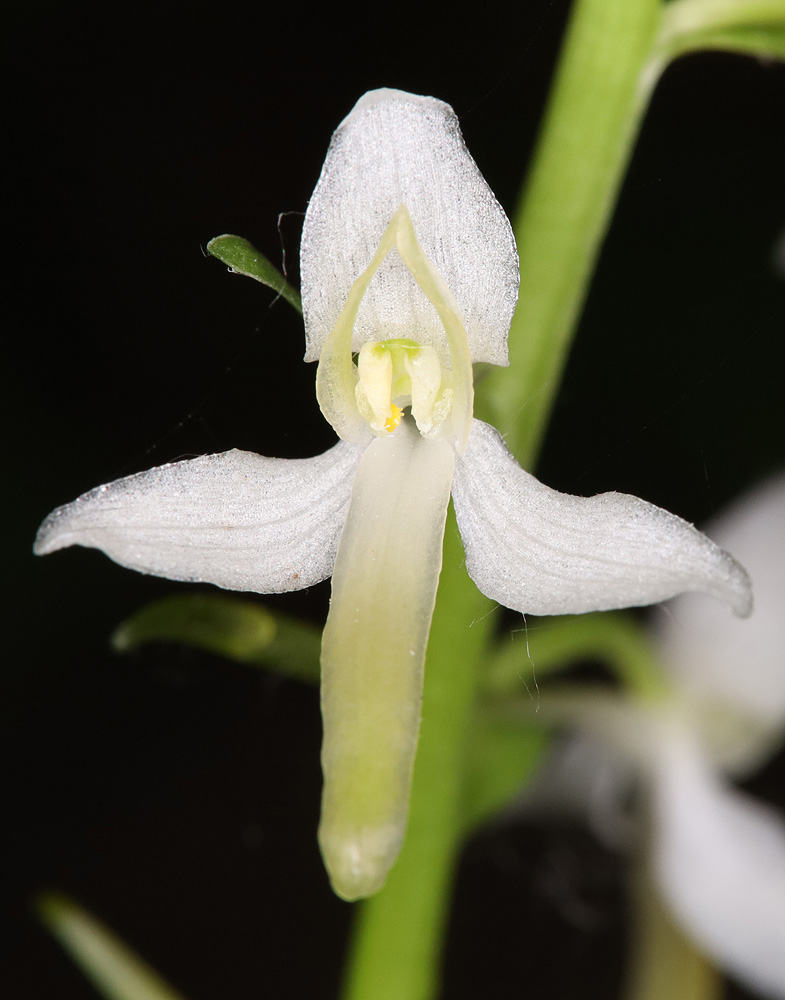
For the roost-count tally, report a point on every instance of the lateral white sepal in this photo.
(547, 553)
(238, 520)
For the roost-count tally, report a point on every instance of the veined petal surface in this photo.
(718, 658)
(542, 552)
(238, 520)
(373, 651)
(720, 862)
(398, 149)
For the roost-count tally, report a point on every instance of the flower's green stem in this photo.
(589, 129)
(595, 109)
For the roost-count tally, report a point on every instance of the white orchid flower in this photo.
(717, 855)
(409, 274)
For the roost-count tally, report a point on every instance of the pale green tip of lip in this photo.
(358, 866)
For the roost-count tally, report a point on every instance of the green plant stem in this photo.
(587, 138)
(398, 937)
(595, 110)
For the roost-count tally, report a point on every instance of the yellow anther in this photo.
(396, 413)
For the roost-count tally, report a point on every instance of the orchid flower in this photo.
(717, 855)
(409, 275)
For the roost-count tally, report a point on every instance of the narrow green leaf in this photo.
(113, 968)
(765, 43)
(751, 27)
(242, 257)
(551, 644)
(239, 629)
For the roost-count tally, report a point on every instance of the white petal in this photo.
(396, 148)
(720, 863)
(373, 648)
(237, 520)
(722, 659)
(542, 552)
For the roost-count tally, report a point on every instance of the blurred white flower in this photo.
(720, 855)
(717, 855)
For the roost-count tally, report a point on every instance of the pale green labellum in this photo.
(373, 651)
(388, 563)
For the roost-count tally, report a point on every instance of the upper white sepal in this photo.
(398, 149)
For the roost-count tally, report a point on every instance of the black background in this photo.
(177, 795)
